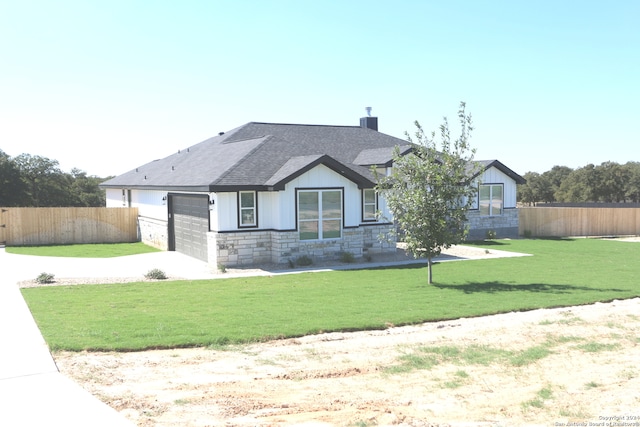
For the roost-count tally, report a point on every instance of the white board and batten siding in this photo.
(277, 209)
(148, 202)
(114, 198)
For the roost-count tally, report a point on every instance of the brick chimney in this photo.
(368, 121)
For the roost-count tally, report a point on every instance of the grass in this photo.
(428, 357)
(459, 379)
(596, 347)
(538, 402)
(84, 251)
(530, 355)
(569, 320)
(146, 315)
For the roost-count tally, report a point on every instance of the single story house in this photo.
(270, 193)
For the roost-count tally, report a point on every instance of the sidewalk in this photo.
(32, 391)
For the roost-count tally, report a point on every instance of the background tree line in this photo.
(36, 181)
(609, 182)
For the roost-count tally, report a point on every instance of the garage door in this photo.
(190, 223)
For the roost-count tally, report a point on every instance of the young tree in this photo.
(429, 191)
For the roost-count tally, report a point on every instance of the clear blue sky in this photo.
(106, 86)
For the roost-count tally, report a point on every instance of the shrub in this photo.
(155, 274)
(347, 257)
(222, 268)
(44, 278)
(490, 235)
(527, 234)
(304, 260)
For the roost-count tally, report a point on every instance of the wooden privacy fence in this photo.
(569, 221)
(59, 226)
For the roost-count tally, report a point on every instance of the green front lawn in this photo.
(200, 313)
(102, 250)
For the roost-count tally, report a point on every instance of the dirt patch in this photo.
(543, 367)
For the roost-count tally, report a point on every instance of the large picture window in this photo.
(491, 199)
(247, 209)
(320, 214)
(369, 204)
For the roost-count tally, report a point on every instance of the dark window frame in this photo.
(491, 185)
(319, 191)
(254, 208)
(364, 204)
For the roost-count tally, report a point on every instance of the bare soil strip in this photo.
(543, 367)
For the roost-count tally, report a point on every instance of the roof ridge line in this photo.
(305, 124)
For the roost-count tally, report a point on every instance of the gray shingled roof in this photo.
(263, 156)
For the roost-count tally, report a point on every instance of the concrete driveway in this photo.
(174, 264)
(32, 391)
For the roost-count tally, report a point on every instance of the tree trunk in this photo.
(430, 272)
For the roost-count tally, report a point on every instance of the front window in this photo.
(247, 209)
(369, 205)
(320, 214)
(490, 199)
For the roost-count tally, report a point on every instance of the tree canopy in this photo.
(608, 182)
(429, 191)
(35, 181)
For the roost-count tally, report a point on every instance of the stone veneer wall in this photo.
(279, 247)
(505, 225)
(154, 232)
